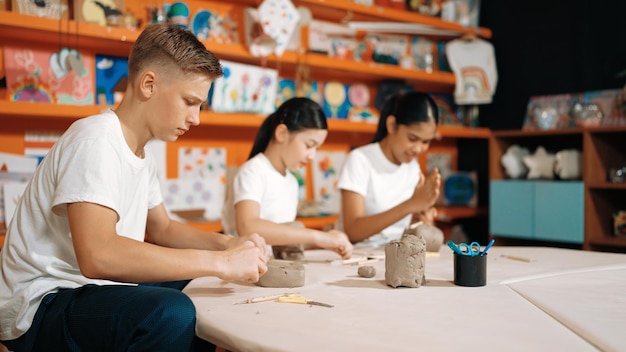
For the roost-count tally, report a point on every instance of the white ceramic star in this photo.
(540, 164)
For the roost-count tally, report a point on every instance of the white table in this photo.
(562, 299)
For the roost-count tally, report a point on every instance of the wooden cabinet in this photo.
(234, 131)
(576, 212)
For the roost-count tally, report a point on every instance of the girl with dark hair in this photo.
(382, 187)
(264, 194)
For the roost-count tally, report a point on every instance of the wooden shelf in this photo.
(606, 185)
(314, 222)
(344, 10)
(449, 214)
(608, 241)
(12, 109)
(537, 133)
(18, 29)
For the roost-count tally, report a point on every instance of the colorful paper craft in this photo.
(201, 186)
(64, 77)
(244, 88)
(326, 168)
(111, 79)
(279, 19)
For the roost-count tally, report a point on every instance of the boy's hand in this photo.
(256, 239)
(244, 262)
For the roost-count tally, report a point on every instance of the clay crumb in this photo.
(367, 271)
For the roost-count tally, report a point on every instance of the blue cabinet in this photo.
(537, 210)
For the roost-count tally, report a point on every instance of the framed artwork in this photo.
(111, 79)
(100, 12)
(63, 77)
(200, 189)
(335, 100)
(244, 88)
(326, 168)
(287, 89)
(42, 8)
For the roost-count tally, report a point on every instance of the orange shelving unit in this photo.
(235, 131)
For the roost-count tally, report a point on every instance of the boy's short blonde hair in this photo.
(169, 47)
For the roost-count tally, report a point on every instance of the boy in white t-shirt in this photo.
(91, 241)
(382, 187)
(264, 196)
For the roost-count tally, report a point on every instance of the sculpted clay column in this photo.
(405, 259)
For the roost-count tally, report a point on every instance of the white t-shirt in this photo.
(91, 162)
(383, 184)
(259, 181)
(474, 66)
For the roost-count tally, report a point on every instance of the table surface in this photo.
(561, 299)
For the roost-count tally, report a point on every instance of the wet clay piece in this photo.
(367, 271)
(282, 273)
(432, 235)
(405, 259)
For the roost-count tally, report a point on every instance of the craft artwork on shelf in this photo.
(326, 167)
(210, 25)
(448, 114)
(460, 188)
(287, 89)
(100, 12)
(322, 34)
(513, 161)
(111, 79)
(568, 164)
(244, 88)
(359, 97)
(199, 191)
(335, 100)
(540, 164)
(63, 77)
(42, 8)
(422, 53)
(587, 109)
(279, 20)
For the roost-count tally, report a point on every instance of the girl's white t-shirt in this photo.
(92, 163)
(383, 184)
(259, 181)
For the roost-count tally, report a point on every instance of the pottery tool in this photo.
(514, 257)
(297, 298)
(262, 299)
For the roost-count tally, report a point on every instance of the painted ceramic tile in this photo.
(63, 77)
(326, 169)
(244, 88)
(336, 103)
(111, 79)
(201, 184)
(41, 8)
(360, 110)
(287, 89)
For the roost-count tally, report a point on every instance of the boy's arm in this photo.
(163, 231)
(103, 254)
